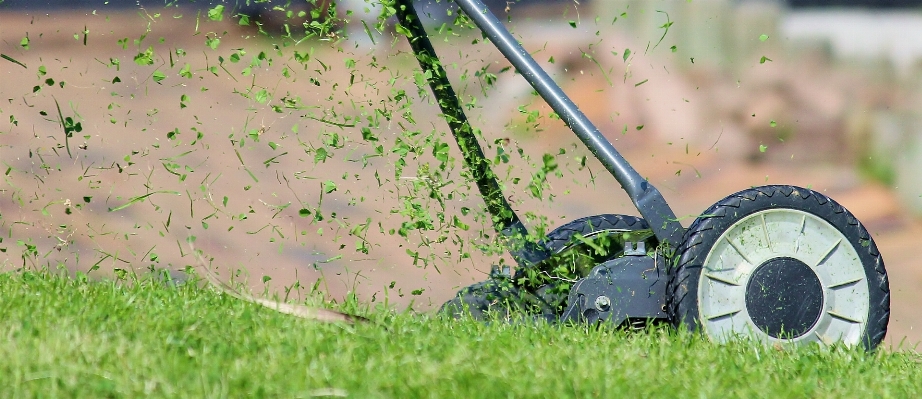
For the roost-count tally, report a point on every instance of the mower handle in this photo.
(648, 200)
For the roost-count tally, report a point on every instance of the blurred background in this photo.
(705, 98)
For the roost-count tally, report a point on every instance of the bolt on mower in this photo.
(777, 264)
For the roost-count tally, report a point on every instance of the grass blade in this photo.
(140, 198)
(11, 59)
(64, 126)
(302, 311)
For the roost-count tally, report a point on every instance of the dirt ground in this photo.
(127, 124)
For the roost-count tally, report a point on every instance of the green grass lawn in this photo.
(69, 338)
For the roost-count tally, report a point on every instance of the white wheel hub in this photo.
(776, 239)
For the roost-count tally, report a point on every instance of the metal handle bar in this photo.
(648, 200)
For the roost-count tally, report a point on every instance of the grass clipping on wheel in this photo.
(302, 311)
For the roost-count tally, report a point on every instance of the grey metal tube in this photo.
(648, 200)
(555, 97)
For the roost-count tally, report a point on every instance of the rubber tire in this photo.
(483, 299)
(558, 239)
(488, 300)
(682, 292)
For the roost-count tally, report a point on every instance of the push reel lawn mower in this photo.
(777, 264)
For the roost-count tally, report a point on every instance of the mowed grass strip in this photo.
(65, 337)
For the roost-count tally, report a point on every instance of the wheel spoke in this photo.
(722, 280)
(723, 315)
(824, 339)
(803, 226)
(843, 317)
(828, 252)
(737, 249)
(846, 283)
(765, 229)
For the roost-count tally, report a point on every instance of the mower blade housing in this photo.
(626, 289)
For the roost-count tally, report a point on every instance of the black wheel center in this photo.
(784, 297)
